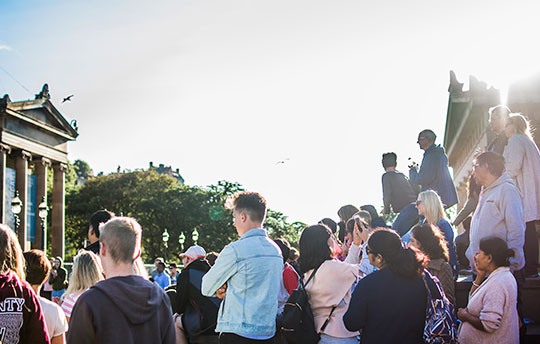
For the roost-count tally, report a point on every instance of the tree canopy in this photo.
(160, 202)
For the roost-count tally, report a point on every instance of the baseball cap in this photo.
(194, 252)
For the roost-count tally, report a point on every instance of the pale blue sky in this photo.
(224, 89)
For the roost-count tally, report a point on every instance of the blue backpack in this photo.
(440, 326)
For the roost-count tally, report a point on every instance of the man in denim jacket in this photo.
(247, 275)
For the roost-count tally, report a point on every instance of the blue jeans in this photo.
(406, 219)
(58, 293)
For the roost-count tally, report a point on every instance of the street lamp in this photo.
(165, 238)
(16, 208)
(43, 210)
(195, 236)
(181, 240)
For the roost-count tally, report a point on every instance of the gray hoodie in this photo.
(124, 310)
(500, 213)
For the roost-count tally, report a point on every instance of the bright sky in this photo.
(225, 89)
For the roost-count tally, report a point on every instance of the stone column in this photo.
(21, 184)
(41, 228)
(58, 205)
(4, 151)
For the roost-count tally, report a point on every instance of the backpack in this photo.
(297, 323)
(440, 326)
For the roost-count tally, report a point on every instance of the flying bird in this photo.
(67, 99)
(282, 161)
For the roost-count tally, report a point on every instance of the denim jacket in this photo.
(252, 268)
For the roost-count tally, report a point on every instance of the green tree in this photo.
(160, 202)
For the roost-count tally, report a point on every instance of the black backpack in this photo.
(297, 324)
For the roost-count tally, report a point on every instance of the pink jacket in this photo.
(331, 286)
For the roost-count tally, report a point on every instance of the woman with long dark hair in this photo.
(21, 318)
(429, 239)
(389, 305)
(330, 283)
(491, 314)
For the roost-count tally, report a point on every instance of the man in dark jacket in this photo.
(124, 308)
(58, 278)
(97, 218)
(196, 314)
(434, 174)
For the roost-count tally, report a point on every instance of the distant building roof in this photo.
(162, 169)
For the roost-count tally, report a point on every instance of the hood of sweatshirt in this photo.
(138, 299)
(503, 179)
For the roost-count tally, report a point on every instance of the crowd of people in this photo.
(367, 281)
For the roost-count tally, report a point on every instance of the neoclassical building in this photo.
(33, 139)
(467, 129)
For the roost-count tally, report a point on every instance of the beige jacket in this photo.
(494, 302)
(331, 286)
(522, 162)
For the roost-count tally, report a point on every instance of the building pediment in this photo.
(36, 126)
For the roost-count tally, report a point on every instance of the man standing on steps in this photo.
(247, 275)
(433, 173)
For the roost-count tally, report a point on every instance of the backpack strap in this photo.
(309, 279)
(327, 319)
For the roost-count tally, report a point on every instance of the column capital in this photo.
(60, 166)
(43, 161)
(5, 148)
(23, 154)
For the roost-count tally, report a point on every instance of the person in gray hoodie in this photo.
(124, 308)
(500, 211)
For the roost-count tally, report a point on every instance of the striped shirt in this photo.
(69, 302)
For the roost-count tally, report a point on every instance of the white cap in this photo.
(194, 252)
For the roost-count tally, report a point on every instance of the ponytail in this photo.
(498, 249)
(408, 263)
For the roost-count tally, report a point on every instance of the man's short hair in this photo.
(122, 238)
(252, 203)
(99, 217)
(494, 162)
(389, 160)
(499, 110)
(429, 134)
(37, 267)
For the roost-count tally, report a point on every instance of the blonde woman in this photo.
(430, 206)
(87, 271)
(522, 162)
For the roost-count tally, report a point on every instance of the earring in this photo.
(378, 261)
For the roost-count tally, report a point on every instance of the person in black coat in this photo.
(389, 305)
(196, 315)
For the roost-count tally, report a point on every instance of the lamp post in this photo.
(16, 208)
(195, 236)
(43, 210)
(165, 238)
(181, 240)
